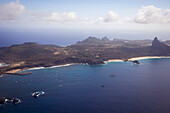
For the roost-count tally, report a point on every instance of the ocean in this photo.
(140, 88)
(10, 37)
(65, 37)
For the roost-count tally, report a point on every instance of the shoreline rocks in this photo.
(136, 62)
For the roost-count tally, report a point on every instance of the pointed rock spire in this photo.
(157, 44)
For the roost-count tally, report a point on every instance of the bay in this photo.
(140, 88)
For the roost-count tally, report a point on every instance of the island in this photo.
(92, 51)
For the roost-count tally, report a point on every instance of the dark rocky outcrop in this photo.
(2, 100)
(136, 62)
(16, 100)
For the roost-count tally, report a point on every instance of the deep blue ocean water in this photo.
(143, 88)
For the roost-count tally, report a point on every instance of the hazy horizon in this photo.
(66, 22)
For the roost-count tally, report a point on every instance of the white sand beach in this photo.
(148, 57)
(13, 71)
(35, 68)
(138, 58)
(62, 65)
(114, 60)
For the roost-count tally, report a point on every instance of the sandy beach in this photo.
(50, 67)
(13, 71)
(114, 60)
(35, 68)
(137, 58)
(148, 57)
(62, 65)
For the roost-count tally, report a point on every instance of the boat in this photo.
(38, 93)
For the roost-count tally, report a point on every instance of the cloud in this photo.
(72, 17)
(111, 17)
(11, 11)
(127, 20)
(152, 14)
(167, 16)
(16, 11)
(61, 17)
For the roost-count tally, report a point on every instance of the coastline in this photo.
(113, 60)
(148, 57)
(70, 64)
(15, 71)
(137, 58)
(36, 68)
(65, 65)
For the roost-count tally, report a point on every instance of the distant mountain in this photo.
(97, 41)
(114, 42)
(105, 39)
(90, 40)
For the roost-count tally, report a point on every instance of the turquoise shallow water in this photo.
(140, 88)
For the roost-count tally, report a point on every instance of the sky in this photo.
(77, 19)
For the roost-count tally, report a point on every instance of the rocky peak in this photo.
(105, 39)
(90, 40)
(157, 44)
